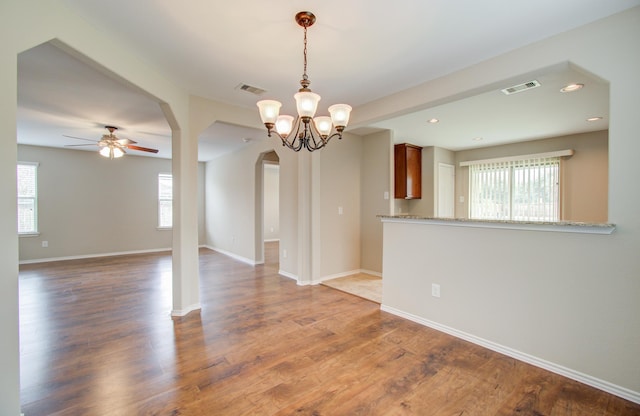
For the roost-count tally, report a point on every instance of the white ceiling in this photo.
(359, 51)
(492, 117)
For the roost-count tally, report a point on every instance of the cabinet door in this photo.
(414, 172)
(400, 171)
(408, 171)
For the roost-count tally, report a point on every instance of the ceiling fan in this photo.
(111, 146)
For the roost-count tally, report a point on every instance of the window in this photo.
(165, 200)
(27, 198)
(519, 190)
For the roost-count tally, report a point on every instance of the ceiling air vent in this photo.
(251, 89)
(521, 87)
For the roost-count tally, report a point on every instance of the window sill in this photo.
(563, 227)
(28, 235)
(164, 228)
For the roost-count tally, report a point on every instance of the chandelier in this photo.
(309, 132)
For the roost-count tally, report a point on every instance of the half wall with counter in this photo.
(517, 288)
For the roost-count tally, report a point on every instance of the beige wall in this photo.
(591, 282)
(425, 206)
(428, 204)
(339, 239)
(89, 205)
(271, 200)
(565, 299)
(231, 203)
(585, 175)
(20, 30)
(376, 180)
(202, 231)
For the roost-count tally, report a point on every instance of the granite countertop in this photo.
(560, 226)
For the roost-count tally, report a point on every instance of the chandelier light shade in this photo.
(309, 132)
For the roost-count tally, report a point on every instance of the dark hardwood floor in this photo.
(97, 339)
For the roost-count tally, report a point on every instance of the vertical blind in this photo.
(27, 175)
(519, 190)
(165, 200)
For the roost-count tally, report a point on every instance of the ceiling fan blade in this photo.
(80, 138)
(126, 142)
(142, 149)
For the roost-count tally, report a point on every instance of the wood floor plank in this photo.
(97, 339)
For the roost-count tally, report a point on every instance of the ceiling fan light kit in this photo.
(111, 146)
(307, 134)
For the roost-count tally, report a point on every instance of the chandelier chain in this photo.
(304, 73)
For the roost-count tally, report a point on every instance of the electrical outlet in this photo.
(284, 253)
(435, 290)
(340, 211)
(45, 244)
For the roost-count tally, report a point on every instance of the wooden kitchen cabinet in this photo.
(408, 171)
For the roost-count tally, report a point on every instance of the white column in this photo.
(186, 283)
(304, 218)
(9, 341)
(308, 217)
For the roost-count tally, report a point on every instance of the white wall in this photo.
(90, 205)
(566, 299)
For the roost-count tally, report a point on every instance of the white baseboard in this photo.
(90, 256)
(187, 310)
(335, 276)
(371, 272)
(518, 355)
(233, 256)
(288, 275)
(272, 240)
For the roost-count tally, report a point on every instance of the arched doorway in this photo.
(267, 208)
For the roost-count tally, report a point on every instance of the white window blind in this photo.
(165, 200)
(27, 186)
(519, 190)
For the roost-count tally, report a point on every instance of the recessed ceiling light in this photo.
(477, 139)
(571, 87)
(433, 120)
(594, 118)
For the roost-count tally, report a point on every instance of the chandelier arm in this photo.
(315, 140)
(304, 135)
(300, 145)
(297, 135)
(317, 144)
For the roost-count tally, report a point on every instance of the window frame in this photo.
(161, 200)
(35, 230)
(537, 165)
